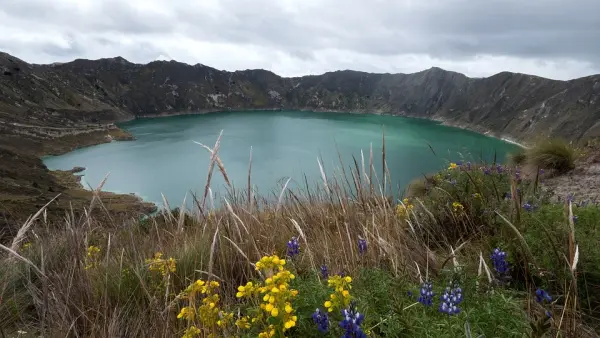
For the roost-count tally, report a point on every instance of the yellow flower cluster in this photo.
(192, 332)
(160, 265)
(340, 298)
(243, 323)
(457, 206)
(92, 257)
(453, 166)
(276, 302)
(248, 290)
(207, 316)
(476, 195)
(277, 295)
(403, 209)
(269, 264)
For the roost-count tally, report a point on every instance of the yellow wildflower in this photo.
(160, 265)
(243, 323)
(457, 206)
(187, 312)
(340, 298)
(192, 332)
(453, 166)
(276, 294)
(92, 257)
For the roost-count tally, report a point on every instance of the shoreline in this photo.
(127, 136)
(463, 126)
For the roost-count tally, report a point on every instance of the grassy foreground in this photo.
(474, 250)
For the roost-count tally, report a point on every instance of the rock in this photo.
(77, 170)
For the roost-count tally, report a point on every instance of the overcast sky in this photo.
(559, 39)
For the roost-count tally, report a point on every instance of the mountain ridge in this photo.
(84, 92)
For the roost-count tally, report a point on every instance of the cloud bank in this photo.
(551, 38)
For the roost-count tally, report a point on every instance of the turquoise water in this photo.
(165, 159)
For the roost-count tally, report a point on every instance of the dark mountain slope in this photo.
(85, 92)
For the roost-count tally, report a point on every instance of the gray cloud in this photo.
(291, 35)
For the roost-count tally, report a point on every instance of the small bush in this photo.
(518, 159)
(554, 154)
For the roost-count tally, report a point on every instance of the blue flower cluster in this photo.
(501, 267)
(426, 293)
(322, 320)
(351, 322)
(293, 247)
(541, 295)
(450, 300)
(529, 207)
(362, 246)
(499, 169)
(324, 271)
(499, 261)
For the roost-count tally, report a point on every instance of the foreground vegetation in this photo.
(474, 250)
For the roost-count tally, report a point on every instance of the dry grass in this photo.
(554, 154)
(53, 287)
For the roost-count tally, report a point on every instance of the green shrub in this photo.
(518, 159)
(554, 154)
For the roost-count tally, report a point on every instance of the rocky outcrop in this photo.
(91, 92)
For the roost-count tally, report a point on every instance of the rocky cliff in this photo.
(91, 93)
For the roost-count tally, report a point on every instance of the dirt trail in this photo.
(583, 183)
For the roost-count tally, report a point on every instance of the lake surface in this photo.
(285, 144)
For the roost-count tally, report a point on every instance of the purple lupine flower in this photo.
(499, 169)
(486, 170)
(351, 322)
(528, 207)
(570, 198)
(469, 165)
(362, 246)
(501, 266)
(426, 293)
(507, 196)
(450, 300)
(293, 247)
(322, 320)
(575, 218)
(453, 182)
(459, 162)
(324, 271)
(541, 171)
(541, 295)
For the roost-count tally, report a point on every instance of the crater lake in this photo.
(165, 158)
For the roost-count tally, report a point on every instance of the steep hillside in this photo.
(85, 92)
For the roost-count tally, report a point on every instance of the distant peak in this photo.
(163, 57)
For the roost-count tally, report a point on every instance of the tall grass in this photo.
(54, 284)
(554, 154)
